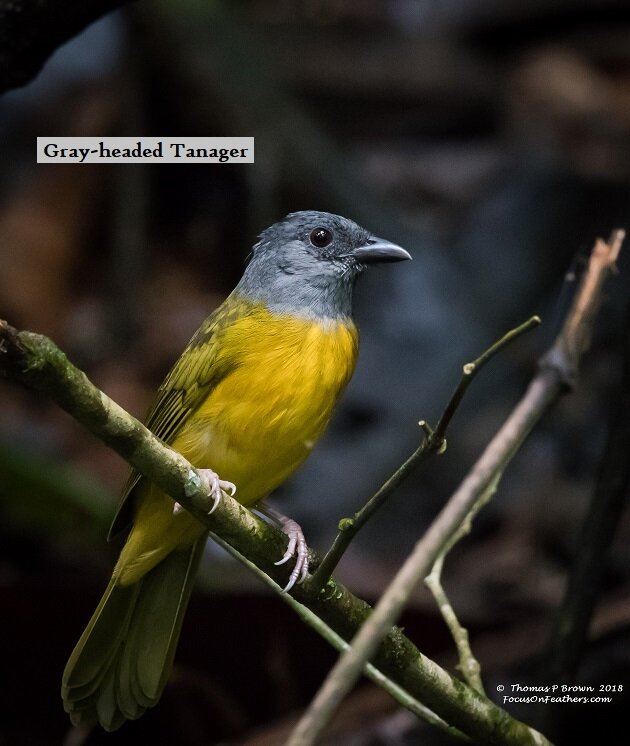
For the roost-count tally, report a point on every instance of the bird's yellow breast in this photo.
(261, 421)
(256, 425)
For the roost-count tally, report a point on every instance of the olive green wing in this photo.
(201, 366)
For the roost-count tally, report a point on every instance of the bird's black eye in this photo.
(321, 237)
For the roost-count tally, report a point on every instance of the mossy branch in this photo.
(337, 642)
(34, 361)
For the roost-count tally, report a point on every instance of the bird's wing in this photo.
(204, 363)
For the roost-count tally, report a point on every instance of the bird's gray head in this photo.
(307, 263)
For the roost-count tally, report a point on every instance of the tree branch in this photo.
(34, 361)
(337, 642)
(558, 372)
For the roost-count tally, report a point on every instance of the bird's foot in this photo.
(297, 546)
(215, 486)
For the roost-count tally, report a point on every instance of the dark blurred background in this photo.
(490, 139)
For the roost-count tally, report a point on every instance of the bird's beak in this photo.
(380, 250)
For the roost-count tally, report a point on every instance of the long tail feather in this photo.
(122, 661)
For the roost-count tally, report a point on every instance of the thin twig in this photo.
(471, 369)
(557, 373)
(468, 664)
(434, 442)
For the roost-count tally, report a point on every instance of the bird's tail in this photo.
(120, 665)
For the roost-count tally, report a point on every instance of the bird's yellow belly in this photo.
(261, 422)
(255, 428)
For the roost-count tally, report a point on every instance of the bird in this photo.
(244, 403)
